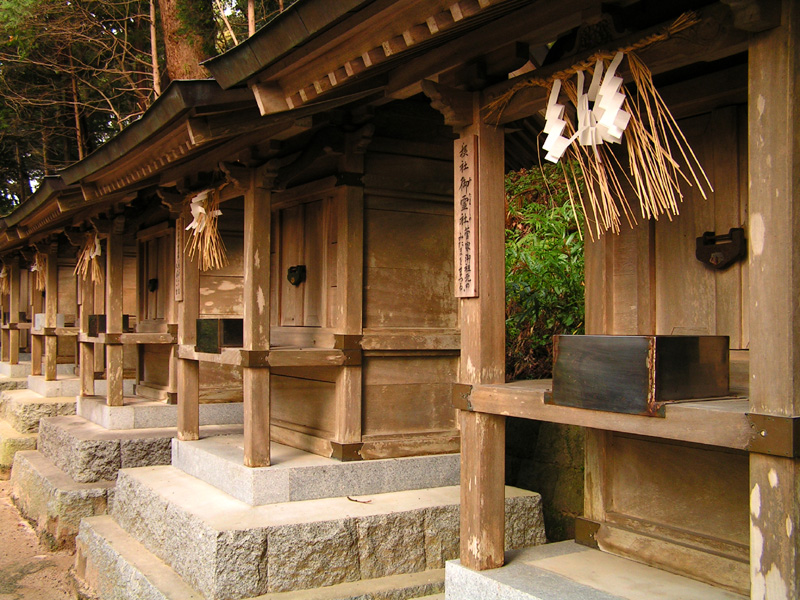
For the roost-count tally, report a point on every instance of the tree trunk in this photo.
(154, 50)
(251, 17)
(188, 28)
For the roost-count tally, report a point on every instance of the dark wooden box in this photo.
(215, 334)
(97, 324)
(637, 374)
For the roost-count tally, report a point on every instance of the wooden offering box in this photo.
(638, 374)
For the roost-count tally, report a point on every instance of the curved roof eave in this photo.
(294, 27)
(179, 97)
(50, 187)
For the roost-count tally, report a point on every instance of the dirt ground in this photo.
(28, 571)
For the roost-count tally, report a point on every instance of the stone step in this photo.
(138, 413)
(20, 370)
(112, 565)
(227, 549)
(13, 383)
(52, 500)
(23, 409)
(568, 571)
(11, 442)
(69, 385)
(87, 452)
(297, 475)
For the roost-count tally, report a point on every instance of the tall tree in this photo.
(189, 34)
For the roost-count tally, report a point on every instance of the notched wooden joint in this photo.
(462, 393)
(586, 532)
(346, 342)
(774, 435)
(346, 452)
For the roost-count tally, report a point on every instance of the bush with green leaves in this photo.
(544, 269)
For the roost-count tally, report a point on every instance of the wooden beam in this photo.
(270, 98)
(37, 341)
(483, 358)
(188, 280)
(51, 313)
(85, 309)
(13, 309)
(774, 250)
(114, 295)
(257, 228)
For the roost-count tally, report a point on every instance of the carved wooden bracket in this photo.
(75, 236)
(454, 104)
(172, 201)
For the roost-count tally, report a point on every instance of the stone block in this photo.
(11, 442)
(23, 409)
(147, 414)
(52, 501)
(87, 452)
(296, 475)
(229, 550)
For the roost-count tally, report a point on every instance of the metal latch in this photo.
(721, 251)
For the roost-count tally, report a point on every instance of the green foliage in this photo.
(544, 269)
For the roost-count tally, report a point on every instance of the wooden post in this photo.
(257, 228)
(114, 294)
(482, 354)
(13, 309)
(51, 314)
(350, 273)
(86, 348)
(37, 341)
(188, 370)
(774, 248)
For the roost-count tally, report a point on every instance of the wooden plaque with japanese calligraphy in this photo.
(179, 225)
(465, 185)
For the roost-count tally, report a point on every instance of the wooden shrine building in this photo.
(352, 149)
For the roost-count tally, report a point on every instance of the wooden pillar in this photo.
(188, 311)
(257, 228)
(51, 314)
(114, 294)
(37, 341)
(482, 350)
(350, 269)
(86, 348)
(774, 248)
(13, 309)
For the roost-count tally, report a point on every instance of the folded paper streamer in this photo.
(204, 240)
(605, 121)
(605, 115)
(5, 286)
(88, 262)
(39, 268)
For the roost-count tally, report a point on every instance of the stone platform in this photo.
(297, 475)
(139, 413)
(71, 474)
(568, 571)
(20, 413)
(19, 370)
(172, 535)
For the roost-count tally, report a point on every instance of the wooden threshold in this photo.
(722, 422)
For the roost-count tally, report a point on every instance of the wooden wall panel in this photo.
(220, 383)
(67, 292)
(408, 394)
(702, 490)
(129, 287)
(155, 365)
(691, 298)
(408, 269)
(303, 405)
